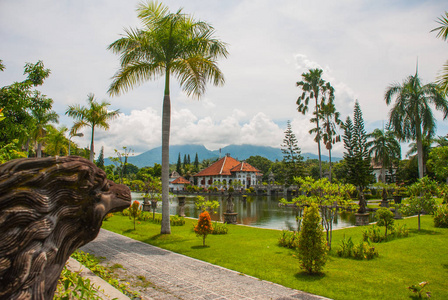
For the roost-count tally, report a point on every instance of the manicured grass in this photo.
(423, 256)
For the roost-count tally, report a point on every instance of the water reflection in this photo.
(258, 211)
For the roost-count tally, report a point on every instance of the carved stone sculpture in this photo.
(49, 207)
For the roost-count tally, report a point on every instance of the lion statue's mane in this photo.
(49, 207)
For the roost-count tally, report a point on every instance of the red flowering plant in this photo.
(204, 226)
(134, 211)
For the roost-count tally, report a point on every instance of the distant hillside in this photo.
(240, 152)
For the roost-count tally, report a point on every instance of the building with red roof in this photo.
(226, 171)
(178, 184)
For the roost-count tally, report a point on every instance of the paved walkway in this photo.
(175, 276)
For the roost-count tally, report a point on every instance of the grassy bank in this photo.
(423, 256)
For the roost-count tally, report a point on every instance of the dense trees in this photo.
(168, 44)
(411, 117)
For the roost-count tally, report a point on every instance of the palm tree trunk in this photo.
(383, 172)
(418, 135)
(318, 137)
(329, 156)
(39, 149)
(92, 150)
(166, 120)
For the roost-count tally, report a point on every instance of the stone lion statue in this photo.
(49, 207)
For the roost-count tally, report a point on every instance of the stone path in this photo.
(175, 276)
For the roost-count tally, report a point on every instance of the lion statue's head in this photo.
(49, 207)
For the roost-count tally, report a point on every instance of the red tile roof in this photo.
(225, 166)
(180, 180)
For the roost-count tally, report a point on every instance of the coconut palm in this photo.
(411, 117)
(443, 34)
(314, 87)
(168, 44)
(384, 148)
(94, 115)
(41, 118)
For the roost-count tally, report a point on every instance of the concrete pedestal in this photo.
(362, 219)
(230, 218)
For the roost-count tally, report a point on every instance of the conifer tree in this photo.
(100, 160)
(196, 163)
(291, 154)
(179, 165)
(357, 157)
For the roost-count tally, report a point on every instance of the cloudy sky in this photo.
(362, 46)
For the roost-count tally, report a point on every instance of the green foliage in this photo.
(10, 151)
(219, 228)
(18, 102)
(441, 216)
(157, 219)
(135, 211)
(418, 289)
(373, 233)
(73, 286)
(92, 263)
(289, 239)
(362, 250)
(204, 226)
(100, 161)
(312, 249)
(325, 194)
(261, 163)
(385, 218)
(421, 198)
(206, 205)
(437, 162)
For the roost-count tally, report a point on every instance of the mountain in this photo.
(239, 152)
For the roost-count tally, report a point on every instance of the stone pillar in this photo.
(181, 206)
(362, 219)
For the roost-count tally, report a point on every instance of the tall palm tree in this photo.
(384, 148)
(168, 44)
(330, 119)
(41, 118)
(314, 87)
(443, 34)
(94, 115)
(411, 117)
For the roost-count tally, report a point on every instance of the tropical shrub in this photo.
(385, 218)
(134, 211)
(174, 220)
(219, 228)
(289, 239)
(73, 286)
(441, 216)
(312, 249)
(204, 226)
(373, 233)
(208, 205)
(362, 250)
(108, 216)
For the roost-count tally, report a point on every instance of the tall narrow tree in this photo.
(357, 158)
(168, 44)
(291, 154)
(41, 118)
(314, 87)
(94, 115)
(330, 123)
(411, 117)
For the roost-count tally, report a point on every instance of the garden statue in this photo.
(49, 207)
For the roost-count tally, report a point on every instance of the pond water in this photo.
(257, 211)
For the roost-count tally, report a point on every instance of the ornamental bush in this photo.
(204, 226)
(385, 218)
(312, 249)
(441, 216)
(134, 211)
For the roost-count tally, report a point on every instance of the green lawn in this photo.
(423, 256)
